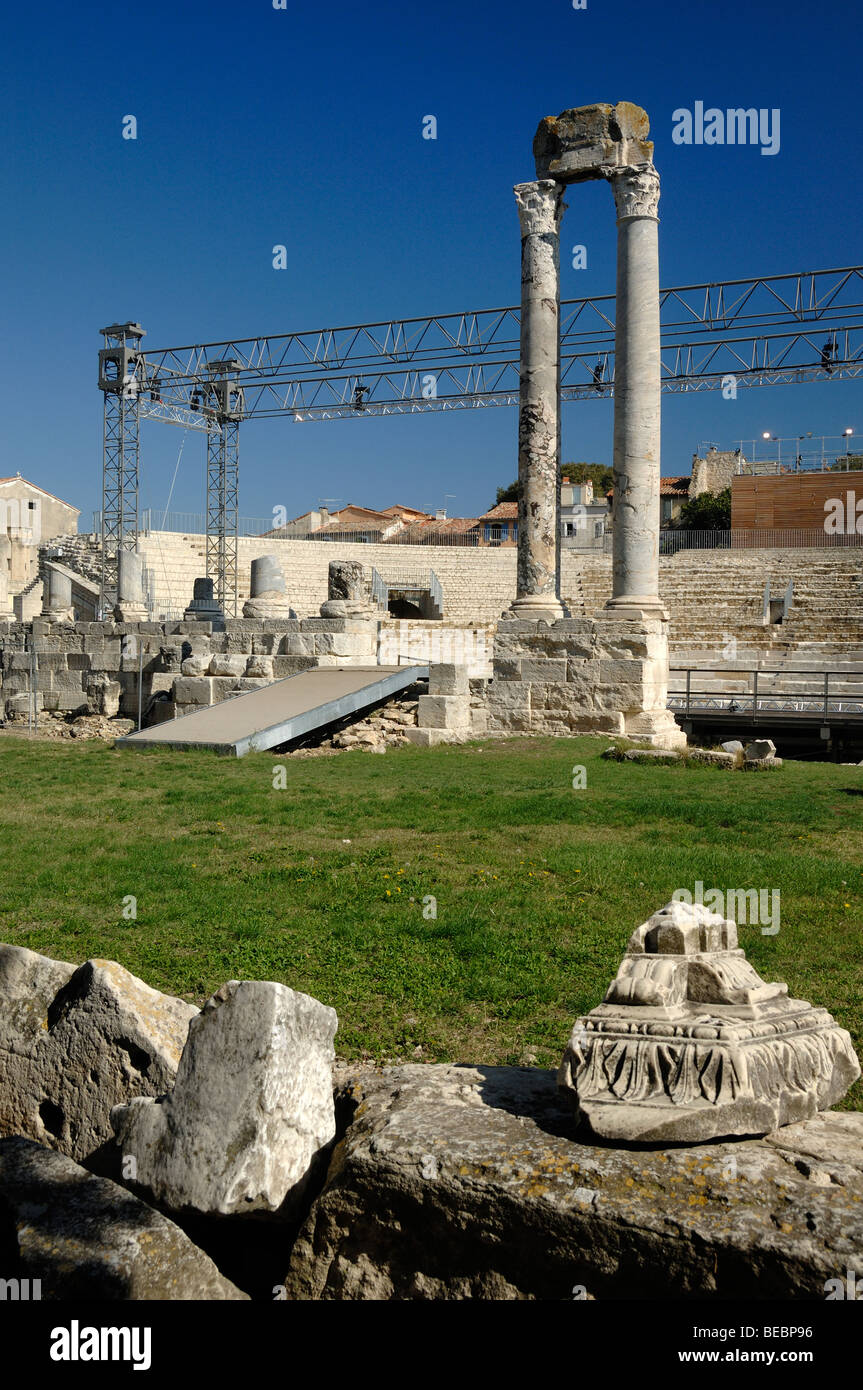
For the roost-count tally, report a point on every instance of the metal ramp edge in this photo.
(197, 730)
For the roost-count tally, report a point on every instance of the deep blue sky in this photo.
(259, 126)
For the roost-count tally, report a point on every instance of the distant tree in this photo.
(852, 463)
(599, 474)
(507, 494)
(709, 512)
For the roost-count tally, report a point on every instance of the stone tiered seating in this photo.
(711, 596)
(478, 584)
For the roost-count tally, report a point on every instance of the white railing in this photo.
(671, 542)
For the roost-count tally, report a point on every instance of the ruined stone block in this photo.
(343, 644)
(193, 690)
(198, 664)
(289, 665)
(298, 644)
(447, 678)
(506, 668)
(553, 670)
(223, 687)
(510, 695)
(249, 1120)
(430, 738)
(162, 682)
(260, 667)
(622, 672)
(583, 141)
(443, 712)
(234, 665)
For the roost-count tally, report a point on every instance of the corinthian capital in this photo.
(540, 206)
(636, 190)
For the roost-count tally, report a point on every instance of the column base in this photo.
(549, 608)
(659, 728)
(637, 606)
(131, 613)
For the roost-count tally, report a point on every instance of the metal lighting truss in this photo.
(118, 366)
(759, 331)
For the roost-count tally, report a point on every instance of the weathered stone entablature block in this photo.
(690, 1044)
(583, 141)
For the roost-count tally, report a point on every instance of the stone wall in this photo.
(581, 675)
(94, 667)
(409, 642)
(714, 472)
(710, 595)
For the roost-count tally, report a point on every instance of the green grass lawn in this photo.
(321, 885)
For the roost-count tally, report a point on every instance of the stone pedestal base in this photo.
(582, 675)
(690, 1044)
(268, 606)
(636, 607)
(60, 615)
(548, 609)
(348, 608)
(205, 613)
(660, 729)
(130, 613)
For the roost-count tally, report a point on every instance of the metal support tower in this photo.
(223, 404)
(120, 364)
(760, 331)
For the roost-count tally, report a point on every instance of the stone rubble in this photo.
(251, 1111)
(468, 1182)
(86, 1238)
(75, 1042)
(448, 1182)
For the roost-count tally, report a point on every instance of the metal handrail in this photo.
(723, 699)
(436, 592)
(380, 590)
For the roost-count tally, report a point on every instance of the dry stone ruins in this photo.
(152, 1150)
(539, 668)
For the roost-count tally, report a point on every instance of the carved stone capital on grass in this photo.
(690, 1044)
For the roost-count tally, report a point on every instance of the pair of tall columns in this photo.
(635, 589)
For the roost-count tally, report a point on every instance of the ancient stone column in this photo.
(204, 608)
(267, 595)
(131, 606)
(637, 374)
(57, 596)
(349, 591)
(540, 208)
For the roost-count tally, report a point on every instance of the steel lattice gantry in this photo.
(119, 362)
(224, 409)
(759, 331)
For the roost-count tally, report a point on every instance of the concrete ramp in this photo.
(277, 713)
